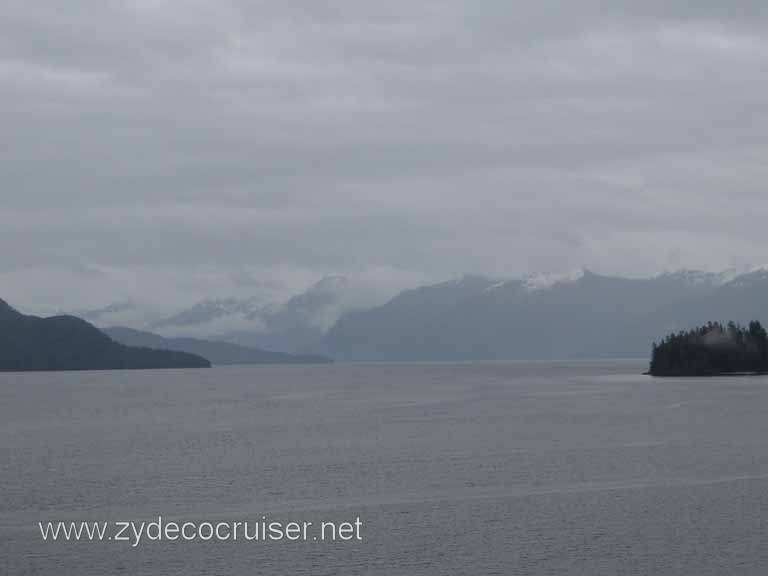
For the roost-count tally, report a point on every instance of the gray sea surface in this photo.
(510, 469)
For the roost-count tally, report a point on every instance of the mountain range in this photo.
(577, 314)
(296, 325)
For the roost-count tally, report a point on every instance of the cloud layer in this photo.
(173, 150)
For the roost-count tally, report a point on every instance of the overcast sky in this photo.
(172, 150)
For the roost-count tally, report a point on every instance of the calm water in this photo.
(506, 469)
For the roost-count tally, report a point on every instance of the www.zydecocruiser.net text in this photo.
(262, 530)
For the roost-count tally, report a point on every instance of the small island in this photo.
(712, 350)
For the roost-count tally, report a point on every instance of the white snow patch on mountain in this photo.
(550, 280)
(497, 285)
(698, 277)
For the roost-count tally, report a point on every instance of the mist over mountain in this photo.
(300, 323)
(208, 314)
(70, 343)
(295, 325)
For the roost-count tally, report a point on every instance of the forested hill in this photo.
(712, 350)
(69, 343)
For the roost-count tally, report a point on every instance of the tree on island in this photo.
(712, 349)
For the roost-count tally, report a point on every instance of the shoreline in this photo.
(712, 375)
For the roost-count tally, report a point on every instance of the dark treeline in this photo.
(712, 349)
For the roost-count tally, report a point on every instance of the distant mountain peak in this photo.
(763, 269)
(695, 277)
(212, 309)
(732, 276)
(756, 275)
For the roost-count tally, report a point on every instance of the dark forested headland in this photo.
(712, 350)
(69, 343)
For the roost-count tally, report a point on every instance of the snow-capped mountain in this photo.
(542, 281)
(697, 277)
(555, 315)
(755, 276)
(575, 314)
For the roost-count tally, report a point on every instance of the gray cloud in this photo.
(179, 147)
